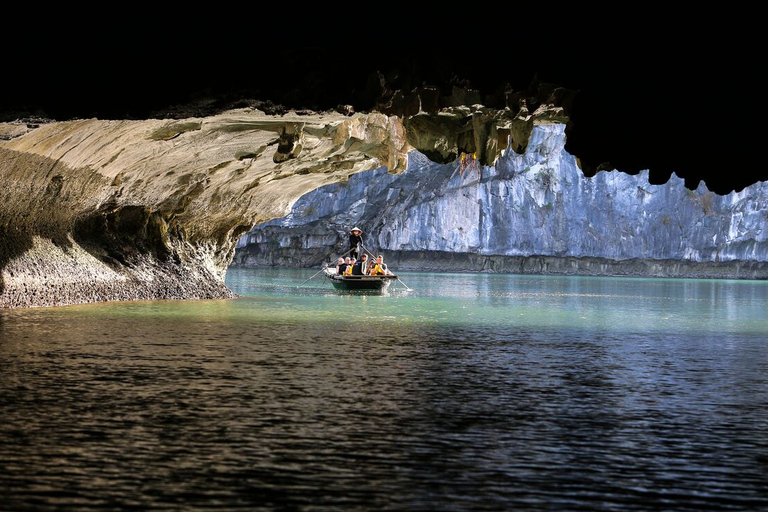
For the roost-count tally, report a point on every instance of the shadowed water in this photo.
(453, 392)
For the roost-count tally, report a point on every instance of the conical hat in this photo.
(355, 229)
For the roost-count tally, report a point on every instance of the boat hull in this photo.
(361, 283)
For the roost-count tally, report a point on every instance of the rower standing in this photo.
(355, 240)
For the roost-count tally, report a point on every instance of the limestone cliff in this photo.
(533, 212)
(95, 210)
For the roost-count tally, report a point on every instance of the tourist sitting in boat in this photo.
(341, 264)
(358, 269)
(379, 268)
(348, 270)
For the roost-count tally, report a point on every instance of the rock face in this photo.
(533, 212)
(94, 210)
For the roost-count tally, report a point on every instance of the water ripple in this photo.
(212, 406)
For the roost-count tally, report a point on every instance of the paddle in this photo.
(406, 286)
(368, 251)
(325, 265)
(401, 281)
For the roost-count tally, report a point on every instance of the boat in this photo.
(359, 283)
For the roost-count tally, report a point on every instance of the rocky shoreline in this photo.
(36, 281)
(50, 275)
(437, 261)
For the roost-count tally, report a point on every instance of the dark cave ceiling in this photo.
(667, 111)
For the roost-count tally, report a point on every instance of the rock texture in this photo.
(97, 210)
(534, 212)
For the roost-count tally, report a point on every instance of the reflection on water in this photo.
(469, 392)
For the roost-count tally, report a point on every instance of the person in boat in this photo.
(341, 264)
(350, 266)
(355, 240)
(360, 266)
(379, 268)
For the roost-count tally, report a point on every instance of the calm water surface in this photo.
(454, 392)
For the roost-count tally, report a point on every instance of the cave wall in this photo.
(96, 210)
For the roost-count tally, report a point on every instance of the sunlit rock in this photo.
(95, 210)
(530, 212)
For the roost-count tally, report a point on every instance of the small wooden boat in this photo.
(358, 283)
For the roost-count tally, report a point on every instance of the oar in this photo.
(324, 267)
(368, 251)
(406, 286)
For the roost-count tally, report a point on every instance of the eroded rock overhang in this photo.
(94, 210)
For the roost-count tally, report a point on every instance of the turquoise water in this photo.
(499, 301)
(450, 392)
